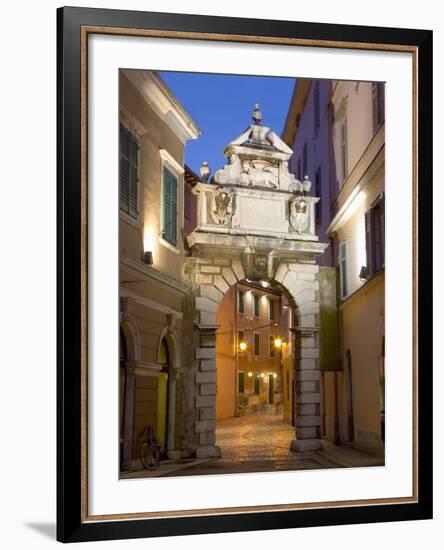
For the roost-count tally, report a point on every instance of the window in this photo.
(241, 382)
(271, 346)
(169, 207)
(271, 314)
(128, 172)
(256, 299)
(257, 384)
(378, 104)
(318, 193)
(317, 112)
(240, 336)
(241, 301)
(343, 276)
(343, 150)
(257, 344)
(374, 238)
(304, 161)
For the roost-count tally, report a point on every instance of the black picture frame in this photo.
(71, 526)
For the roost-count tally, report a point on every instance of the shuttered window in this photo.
(241, 301)
(256, 344)
(169, 207)
(256, 305)
(271, 309)
(271, 346)
(378, 104)
(343, 267)
(374, 238)
(128, 172)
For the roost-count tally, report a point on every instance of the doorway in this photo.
(270, 389)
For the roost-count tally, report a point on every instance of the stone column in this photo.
(307, 393)
(205, 425)
(300, 280)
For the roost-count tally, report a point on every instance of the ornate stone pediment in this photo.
(257, 158)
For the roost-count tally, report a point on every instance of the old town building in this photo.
(337, 129)
(154, 128)
(243, 292)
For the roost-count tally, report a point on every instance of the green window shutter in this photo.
(124, 169)
(134, 176)
(369, 242)
(169, 207)
(128, 172)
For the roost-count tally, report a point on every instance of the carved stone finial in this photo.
(257, 114)
(205, 171)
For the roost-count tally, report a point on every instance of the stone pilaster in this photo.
(307, 391)
(205, 380)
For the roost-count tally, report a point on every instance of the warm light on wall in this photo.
(242, 346)
(250, 374)
(275, 375)
(262, 375)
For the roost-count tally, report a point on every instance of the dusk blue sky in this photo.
(222, 105)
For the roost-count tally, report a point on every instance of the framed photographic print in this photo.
(245, 265)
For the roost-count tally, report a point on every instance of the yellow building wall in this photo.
(226, 383)
(227, 347)
(363, 333)
(135, 236)
(153, 135)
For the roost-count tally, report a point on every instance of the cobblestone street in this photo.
(254, 437)
(260, 443)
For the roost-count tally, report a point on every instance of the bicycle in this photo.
(149, 450)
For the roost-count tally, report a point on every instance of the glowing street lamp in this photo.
(277, 343)
(242, 346)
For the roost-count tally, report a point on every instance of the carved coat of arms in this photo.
(299, 214)
(222, 207)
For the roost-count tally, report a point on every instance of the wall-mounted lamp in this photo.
(250, 374)
(363, 274)
(262, 375)
(275, 375)
(242, 346)
(147, 257)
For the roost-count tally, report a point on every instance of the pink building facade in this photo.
(308, 131)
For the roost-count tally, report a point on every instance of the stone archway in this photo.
(212, 277)
(255, 221)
